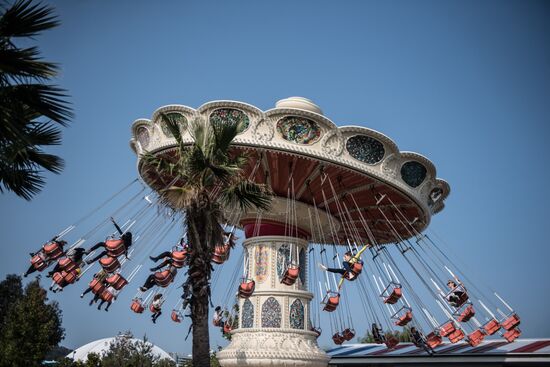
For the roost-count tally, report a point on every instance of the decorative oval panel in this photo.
(365, 149)
(143, 136)
(413, 173)
(299, 130)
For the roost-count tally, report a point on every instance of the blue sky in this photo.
(465, 83)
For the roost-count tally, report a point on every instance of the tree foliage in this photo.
(30, 107)
(31, 326)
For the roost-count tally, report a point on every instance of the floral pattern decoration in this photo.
(298, 130)
(248, 314)
(224, 115)
(261, 262)
(271, 313)
(296, 315)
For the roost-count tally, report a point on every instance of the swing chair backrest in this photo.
(331, 301)
(512, 335)
(433, 340)
(67, 264)
(153, 309)
(491, 327)
(338, 339)
(467, 314)
(136, 306)
(291, 274)
(348, 334)
(246, 288)
(109, 264)
(107, 296)
(447, 329)
(221, 254)
(178, 258)
(511, 322)
(117, 281)
(475, 338)
(164, 278)
(96, 286)
(227, 327)
(456, 336)
(53, 250)
(38, 262)
(115, 248)
(175, 316)
(391, 341)
(394, 296)
(404, 319)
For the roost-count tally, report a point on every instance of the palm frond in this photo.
(246, 194)
(178, 197)
(23, 19)
(24, 182)
(224, 133)
(24, 62)
(173, 126)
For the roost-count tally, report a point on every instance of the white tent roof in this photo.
(101, 345)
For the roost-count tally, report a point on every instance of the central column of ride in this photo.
(274, 323)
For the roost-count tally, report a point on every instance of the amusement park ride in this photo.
(339, 193)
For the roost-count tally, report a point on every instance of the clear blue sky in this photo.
(465, 83)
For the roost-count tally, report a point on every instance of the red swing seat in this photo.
(510, 322)
(178, 258)
(512, 335)
(456, 336)
(175, 316)
(331, 302)
(355, 270)
(67, 264)
(107, 295)
(491, 327)
(348, 334)
(433, 340)
(404, 319)
(467, 314)
(115, 248)
(53, 250)
(116, 281)
(246, 288)
(391, 341)
(475, 338)
(136, 306)
(154, 309)
(338, 339)
(164, 278)
(63, 278)
(38, 262)
(221, 254)
(109, 264)
(290, 275)
(447, 329)
(96, 286)
(394, 296)
(227, 327)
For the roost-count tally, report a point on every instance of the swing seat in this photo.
(178, 258)
(512, 335)
(63, 278)
(163, 278)
(462, 300)
(491, 327)
(153, 309)
(38, 262)
(447, 329)
(404, 319)
(217, 322)
(290, 275)
(467, 314)
(394, 296)
(107, 296)
(433, 340)
(96, 286)
(456, 336)
(115, 248)
(109, 264)
(227, 328)
(391, 341)
(331, 302)
(175, 316)
(356, 269)
(316, 330)
(246, 288)
(338, 339)
(475, 338)
(53, 250)
(116, 281)
(511, 322)
(221, 254)
(136, 306)
(348, 334)
(67, 264)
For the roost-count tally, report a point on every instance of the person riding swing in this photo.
(46, 255)
(112, 247)
(349, 266)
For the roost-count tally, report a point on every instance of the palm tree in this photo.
(29, 107)
(207, 181)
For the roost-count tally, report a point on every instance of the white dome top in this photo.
(102, 345)
(300, 103)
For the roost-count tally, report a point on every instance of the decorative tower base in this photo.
(274, 327)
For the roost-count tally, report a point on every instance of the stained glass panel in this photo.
(365, 149)
(271, 313)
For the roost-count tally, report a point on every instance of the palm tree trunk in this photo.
(203, 230)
